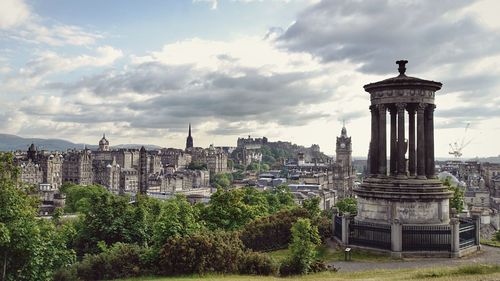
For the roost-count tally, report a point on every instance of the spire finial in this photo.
(189, 129)
(402, 67)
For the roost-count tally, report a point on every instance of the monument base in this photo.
(410, 201)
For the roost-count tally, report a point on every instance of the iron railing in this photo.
(338, 227)
(467, 233)
(426, 238)
(370, 234)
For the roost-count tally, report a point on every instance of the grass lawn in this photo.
(331, 255)
(464, 273)
(493, 243)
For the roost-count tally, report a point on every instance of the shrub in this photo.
(324, 225)
(119, 261)
(257, 264)
(347, 205)
(289, 267)
(66, 274)
(305, 239)
(271, 232)
(200, 253)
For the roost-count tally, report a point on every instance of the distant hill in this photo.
(493, 159)
(12, 142)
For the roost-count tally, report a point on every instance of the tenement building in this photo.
(77, 167)
(402, 207)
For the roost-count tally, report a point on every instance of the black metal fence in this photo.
(426, 238)
(370, 234)
(337, 227)
(467, 233)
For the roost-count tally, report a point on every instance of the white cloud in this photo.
(35, 72)
(13, 13)
(20, 23)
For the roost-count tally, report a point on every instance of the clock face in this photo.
(342, 145)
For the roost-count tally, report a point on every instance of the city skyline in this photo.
(287, 70)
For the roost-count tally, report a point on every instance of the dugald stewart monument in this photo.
(403, 208)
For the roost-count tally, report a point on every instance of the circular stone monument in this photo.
(405, 188)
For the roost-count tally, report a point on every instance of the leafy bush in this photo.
(200, 253)
(347, 205)
(257, 264)
(289, 267)
(324, 225)
(305, 239)
(271, 232)
(119, 261)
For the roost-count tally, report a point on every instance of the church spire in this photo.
(343, 133)
(189, 139)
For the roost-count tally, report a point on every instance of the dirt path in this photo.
(488, 255)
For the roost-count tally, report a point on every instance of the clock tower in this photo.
(343, 171)
(344, 150)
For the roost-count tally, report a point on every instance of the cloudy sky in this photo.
(140, 71)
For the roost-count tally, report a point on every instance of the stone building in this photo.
(104, 144)
(129, 181)
(179, 158)
(248, 150)
(77, 167)
(489, 171)
(343, 171)
(216, 160)
(30, 173)
(107, 174)
(51, 165)
(143, 171)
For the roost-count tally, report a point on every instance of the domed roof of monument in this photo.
(403, 81)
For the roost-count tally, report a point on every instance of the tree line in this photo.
(113, 238)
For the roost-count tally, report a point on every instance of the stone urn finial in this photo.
(402, 67)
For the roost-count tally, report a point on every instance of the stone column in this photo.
(335, 211)
(396, 238)
(393, 169)
(382, 143)
(346, 217)
(374, 142)
(401, 140)
(477, 222)
(455, 237)
(420, 141)
(429, 141)
(411, 141)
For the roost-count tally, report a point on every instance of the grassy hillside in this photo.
(12, 143)
(464, 273)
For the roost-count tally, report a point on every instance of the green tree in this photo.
(112, 219)
(197, 166)
(177, 218)
(305, 239)
(347, 205)
(312, 206)
(78, 198)
(254, 166)
(30, 248)
(227, 210)
(280, 198)
(222, 180)
(457, 201)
